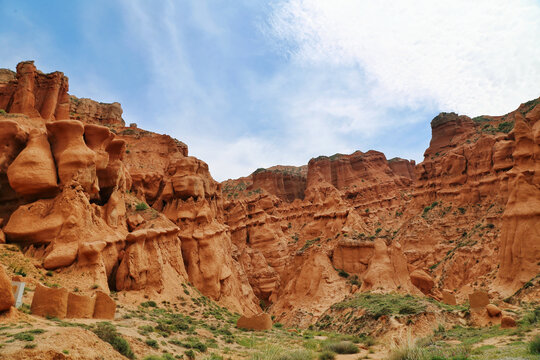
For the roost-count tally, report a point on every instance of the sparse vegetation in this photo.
(308, 244)
(342, 347)
(149, 304)
(428, 208)
(107, 332)
(327, 355)
(377, 305)
(141, 206)
(534, 345)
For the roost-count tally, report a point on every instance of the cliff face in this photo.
(130, 210)
(460, 220)
(76, 195)
(32, 93)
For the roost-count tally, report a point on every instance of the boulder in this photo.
(50, 302)
(80, 306)
(258, 322)
(492, 310)
(449, 297)
(507, 322)
(105, 307)
(422, 281)
(7, 300)
(478, 299)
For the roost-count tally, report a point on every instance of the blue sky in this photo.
(248, 84)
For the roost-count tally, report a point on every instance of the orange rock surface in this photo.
(50, 302)
(6, 292)
(257, 322)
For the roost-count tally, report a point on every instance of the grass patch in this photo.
(342, 347)
(327, 355)
(308, 244)
(141, 206)
(271, 352)
(377, 305)
(534, 345)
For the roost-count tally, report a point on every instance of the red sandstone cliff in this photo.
(73, 195)
(74, 184)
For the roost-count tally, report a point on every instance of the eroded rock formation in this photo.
(133, 212)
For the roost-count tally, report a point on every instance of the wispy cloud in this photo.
(473, 57)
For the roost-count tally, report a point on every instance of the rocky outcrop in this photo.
(287, 184)
(422, 280)
(35, 94)
(520, 238)
(93, 112)
(74, 159)
(33, 172)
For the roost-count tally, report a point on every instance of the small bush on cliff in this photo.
(141, 206)
(107, 332)
(505, 127)
(428, 208)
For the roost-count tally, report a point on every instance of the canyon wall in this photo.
(131, 211)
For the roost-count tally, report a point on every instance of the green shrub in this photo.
(353, 280)
(327, 355)
(149, 304)
(152, 343)
(342, 347)
(107, 332)
(190, 354)
(505, 127)
(534, 345)
(141, 206)
(343, 273)
(24, 336)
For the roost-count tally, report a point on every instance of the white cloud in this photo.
(469, 56)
